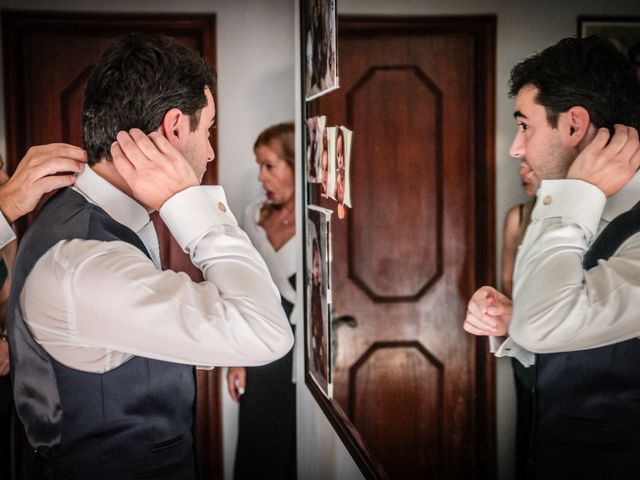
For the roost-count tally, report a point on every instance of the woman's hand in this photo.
(43, 169)
(236, 382)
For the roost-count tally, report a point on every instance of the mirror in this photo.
(409, 393)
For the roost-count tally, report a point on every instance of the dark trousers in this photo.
(524, 380)
(267, 423)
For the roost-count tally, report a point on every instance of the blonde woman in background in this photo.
(266, 429)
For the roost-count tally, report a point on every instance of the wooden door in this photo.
(48, 60)
(418, 94)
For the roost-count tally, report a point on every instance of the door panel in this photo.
(48, 60)
(405, 259)
(390, 274)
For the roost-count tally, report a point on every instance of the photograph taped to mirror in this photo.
(320, 33)
(319, 297)
(316, 147)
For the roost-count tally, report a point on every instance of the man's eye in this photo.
(523, 126)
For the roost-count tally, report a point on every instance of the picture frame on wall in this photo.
(321, 52)
(319, 297)
(623, 32)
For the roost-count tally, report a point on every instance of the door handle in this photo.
(348, 320)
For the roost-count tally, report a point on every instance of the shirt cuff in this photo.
(191, 213)
(7, 235)
(575, 200)
(508, 348)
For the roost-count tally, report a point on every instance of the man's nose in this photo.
(517, 147)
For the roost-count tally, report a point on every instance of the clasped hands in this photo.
(488, 313)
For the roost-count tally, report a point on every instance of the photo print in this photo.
(313, 169)
(316, 146)
(342, 187)
(319, 297)
(321, 48)
(329, 191)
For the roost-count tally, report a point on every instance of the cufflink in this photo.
(547, 200)
(221, 207)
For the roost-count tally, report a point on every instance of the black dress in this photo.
(267, 418)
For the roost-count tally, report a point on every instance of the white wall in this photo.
(255, 63)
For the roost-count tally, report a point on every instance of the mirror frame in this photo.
(369, 466)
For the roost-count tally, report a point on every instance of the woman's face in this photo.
(325, 169)
(340, 153)
(530, 181)
(276, 176)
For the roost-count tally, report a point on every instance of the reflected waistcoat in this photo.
(134, 421)
(587, 421)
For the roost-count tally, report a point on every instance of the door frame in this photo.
(483, 28)
(15, 25)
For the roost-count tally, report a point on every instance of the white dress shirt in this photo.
(558, 306)
(7, 235)
(92, 305)
(281, 262)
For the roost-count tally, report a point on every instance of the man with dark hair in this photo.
(577, 281)
(135, 84)
(588, 72)
(103, 342)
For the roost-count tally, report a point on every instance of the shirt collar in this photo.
(119, 206)
(623, 200)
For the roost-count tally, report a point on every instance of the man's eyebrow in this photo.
(518, 114)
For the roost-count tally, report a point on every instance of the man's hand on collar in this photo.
(608, 166)
(151, 166)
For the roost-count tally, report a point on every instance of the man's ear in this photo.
(576, 122)
(173, 125)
